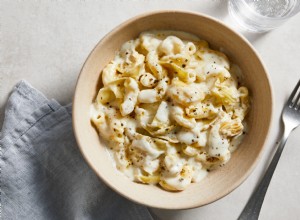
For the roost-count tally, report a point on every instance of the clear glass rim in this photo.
(266, 17)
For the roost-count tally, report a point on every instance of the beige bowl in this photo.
(219, 182)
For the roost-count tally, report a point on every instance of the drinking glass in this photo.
(262, 15)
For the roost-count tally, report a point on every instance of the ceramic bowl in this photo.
(219, 182)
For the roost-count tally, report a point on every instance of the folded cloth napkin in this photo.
(43, 175)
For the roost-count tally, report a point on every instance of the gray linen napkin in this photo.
(43, 175)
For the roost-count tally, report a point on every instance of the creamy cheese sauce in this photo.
(170, 109)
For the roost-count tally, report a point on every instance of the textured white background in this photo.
(46, 43)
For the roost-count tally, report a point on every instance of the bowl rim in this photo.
(181, 12)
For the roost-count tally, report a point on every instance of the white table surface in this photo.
(46, 43)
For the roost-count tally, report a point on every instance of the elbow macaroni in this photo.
(170, 108)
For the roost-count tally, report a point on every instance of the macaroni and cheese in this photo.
(170, 109)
